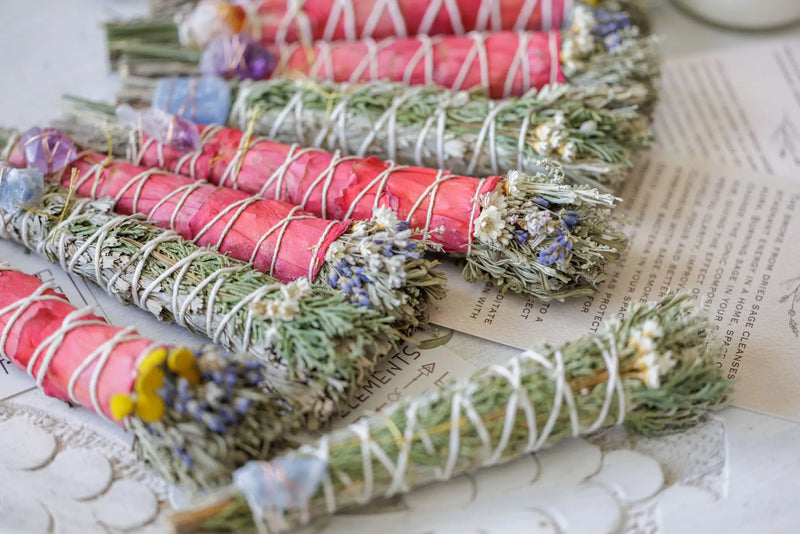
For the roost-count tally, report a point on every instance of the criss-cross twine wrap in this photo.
(504, 63)
(307, 21)
(387, 125)
(71, 353)
(278, 238)
(142, 290)
(478, 435)
(317, 346)
(329, 184)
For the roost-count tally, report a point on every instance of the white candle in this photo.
(745, 14)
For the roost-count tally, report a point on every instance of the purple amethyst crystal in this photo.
(236, 56)
(47, 150)
(165, 128)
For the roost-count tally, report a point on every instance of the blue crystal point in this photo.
(205, 100)
(19, 188)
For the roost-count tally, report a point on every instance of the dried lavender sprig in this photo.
(534, 235)
(653, 371)
(594, 132)
(317, 353)
(605, 46)
(382, 264)
(377, 263)
(542, 238)
(211, 423)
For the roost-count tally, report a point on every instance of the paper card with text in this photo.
(739, 106)
(728, 237)
(409, 371)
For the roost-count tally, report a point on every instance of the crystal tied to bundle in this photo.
(48, 149)
(45, 151)
(237, 57)
(169, 129)
(19, 188)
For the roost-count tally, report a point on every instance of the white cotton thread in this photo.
(361, 430)
(461, 406)
(294, 13)
(525, 14)
(48, 347)
(555, 61)
(342, 13)
(523, 134)
(141, 293)
(138, 182)
(389, 120)
(488, 129)
(454, 441)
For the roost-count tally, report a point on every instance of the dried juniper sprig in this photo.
(654, 371)
(317, 346)
(594, 132)
(525, 233)
(377, 263)
(605, 47)
(198, 414)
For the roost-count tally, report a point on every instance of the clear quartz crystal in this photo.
(205, 100)
(163, 127)
(19, 188)
(285, 483)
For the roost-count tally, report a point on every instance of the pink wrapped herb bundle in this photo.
(526, 233)
(288, 21)
(375, 264)
(198, 414)
(600, 47)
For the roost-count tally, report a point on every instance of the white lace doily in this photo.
(609, 482)
(61, 477)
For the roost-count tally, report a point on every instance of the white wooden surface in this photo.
(50, 47)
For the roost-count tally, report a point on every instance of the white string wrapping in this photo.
(45, 353)
(381, 135)
(138, 182)
(320, 62)
(59, 242)
(404, 474)
(343, 14)
(273, 185)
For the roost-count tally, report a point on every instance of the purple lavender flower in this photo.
(610, 25)
(569, 218)
(557, 251)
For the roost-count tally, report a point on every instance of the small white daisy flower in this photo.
(489, 225)
(385, 217)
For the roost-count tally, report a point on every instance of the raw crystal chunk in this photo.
(19, 188)
(47, 150)
(163, 127)
(205, 100)
(236, 56)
